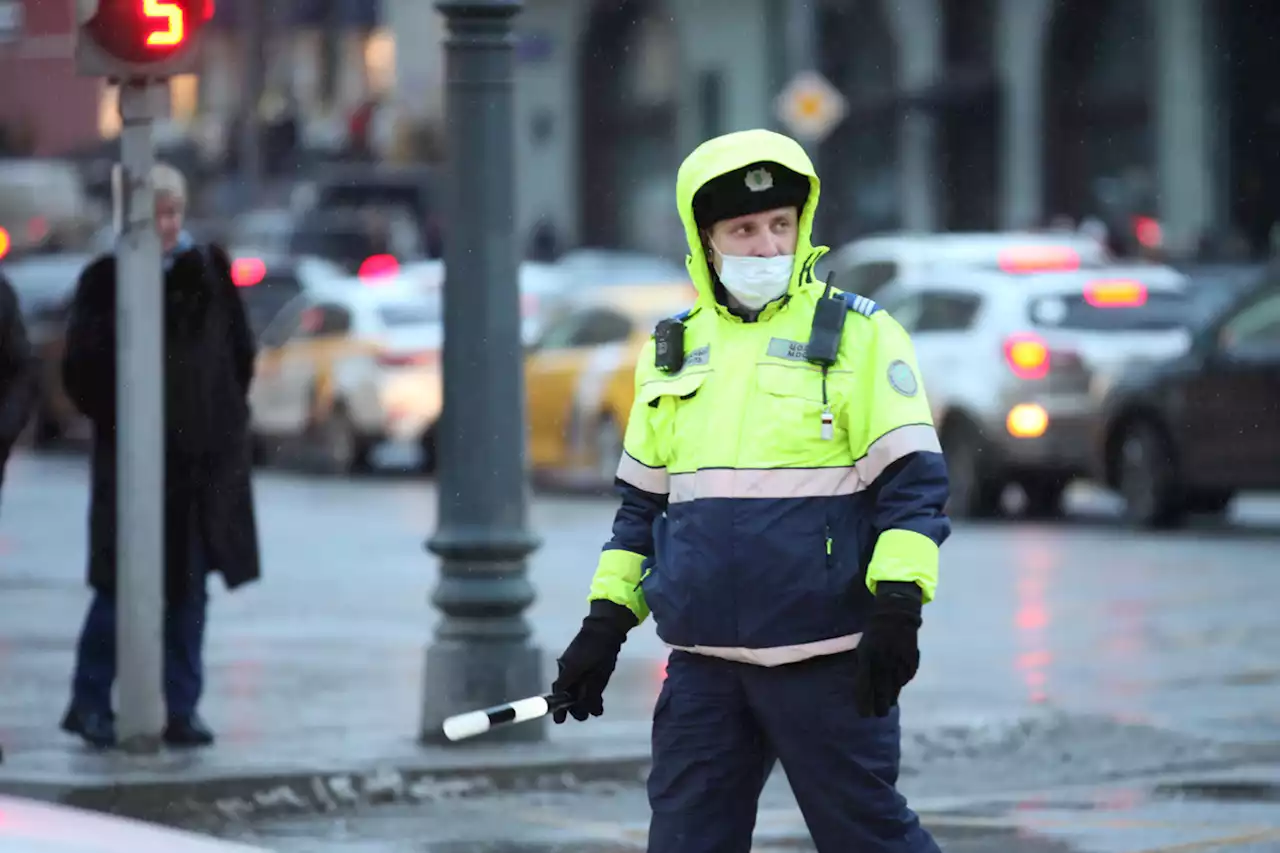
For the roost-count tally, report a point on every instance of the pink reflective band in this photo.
(640, 475)
(777, 655)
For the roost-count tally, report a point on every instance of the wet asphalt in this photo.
(1073, 653)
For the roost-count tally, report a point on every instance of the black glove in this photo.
(588, 662)
(888, 655)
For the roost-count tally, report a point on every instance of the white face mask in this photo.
(755, 282)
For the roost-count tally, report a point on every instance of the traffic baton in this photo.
(472, 723)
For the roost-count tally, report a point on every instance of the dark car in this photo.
(411, 190)
(1185, 435)
(367, 243)
(44, 285)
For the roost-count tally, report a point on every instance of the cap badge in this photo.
(759, 180)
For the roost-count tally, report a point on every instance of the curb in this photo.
(267, 793)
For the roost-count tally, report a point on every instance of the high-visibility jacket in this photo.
(745, 531)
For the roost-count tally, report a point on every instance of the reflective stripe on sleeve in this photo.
(777, 655)
(764, 483)
(893, 445)
(642, 476)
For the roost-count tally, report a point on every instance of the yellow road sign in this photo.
(810, 107)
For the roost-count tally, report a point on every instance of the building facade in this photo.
(962, 115)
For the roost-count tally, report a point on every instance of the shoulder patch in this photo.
(903, 379)
(860, 304)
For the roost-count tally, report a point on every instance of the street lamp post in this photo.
(482, 654)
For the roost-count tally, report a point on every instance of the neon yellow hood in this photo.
(722, 154)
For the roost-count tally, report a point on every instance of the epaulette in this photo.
(860, 304)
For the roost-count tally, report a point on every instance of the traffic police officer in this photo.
(782, 510)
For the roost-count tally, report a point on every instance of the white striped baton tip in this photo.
(475, 723)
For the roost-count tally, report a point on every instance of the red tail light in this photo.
(423, 358)
(1148, 231)
(378, 266)
(4, 242)
(246, 272)
(1027, 356)
(1117, 293)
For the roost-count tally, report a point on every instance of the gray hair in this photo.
(168, 181)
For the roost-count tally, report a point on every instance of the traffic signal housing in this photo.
(139, 39)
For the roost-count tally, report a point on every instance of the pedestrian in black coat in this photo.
(209, 515)
(19, 372)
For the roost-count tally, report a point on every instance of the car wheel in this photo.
(46, 431)
(1210, 501)
(1146, 478)
(975, 492)
(341, 448)
(428, 462)
(1044, 496)
(607, 449)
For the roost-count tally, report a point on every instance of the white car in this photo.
(343, 369)
(28, 826)
(1016, 372)
(542, 288)
(868, 264)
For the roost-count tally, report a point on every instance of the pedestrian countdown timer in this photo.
(124, 39)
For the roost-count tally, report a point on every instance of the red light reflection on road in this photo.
(243, 686)
(1032, 619)
(1127, 662)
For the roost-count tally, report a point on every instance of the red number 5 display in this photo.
(146, 31)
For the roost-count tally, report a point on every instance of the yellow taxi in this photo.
(579, 377)
(345, 367)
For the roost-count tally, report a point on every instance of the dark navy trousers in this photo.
(183, 653)
(719, 726)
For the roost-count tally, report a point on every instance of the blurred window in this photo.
(285, 324)
(1160, 312)
(593, 327)
(866, 279)
(1255, 328)
(603, 327)
(946, 312)
(325, 321)
(905, 308)
(347, 246)
(264, 300)
(399, 316)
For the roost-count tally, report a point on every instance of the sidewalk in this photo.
(314, 675)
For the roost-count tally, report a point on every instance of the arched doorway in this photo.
(1099, 140)
(1250, 66)
(629, 83)
(858, 162)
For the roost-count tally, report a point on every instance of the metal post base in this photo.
(465, 675)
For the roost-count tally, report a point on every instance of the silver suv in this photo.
(1016, 366)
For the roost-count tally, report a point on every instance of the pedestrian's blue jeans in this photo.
(183, 652)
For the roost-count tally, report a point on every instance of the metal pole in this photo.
(139, 435)
(801, 41)
(482, 654)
